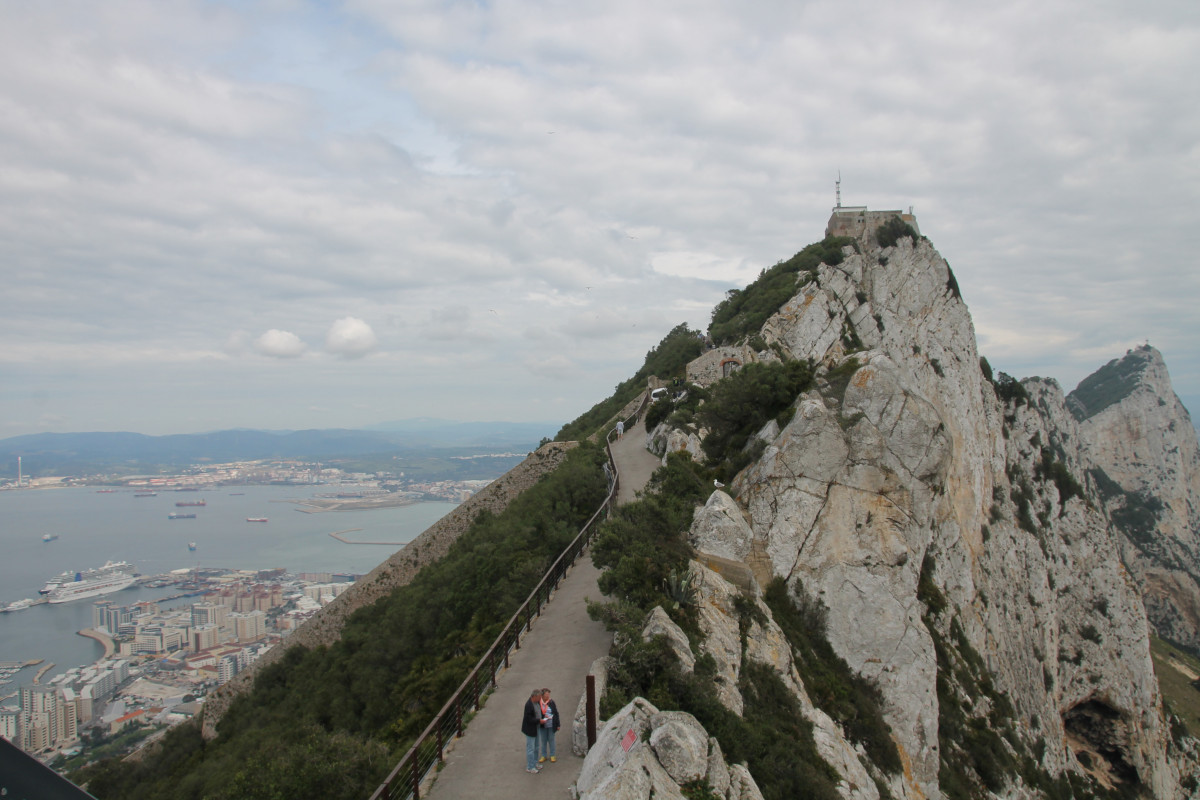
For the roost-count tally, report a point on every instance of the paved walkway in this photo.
(489, 761)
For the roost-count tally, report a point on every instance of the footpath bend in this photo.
(557, 652)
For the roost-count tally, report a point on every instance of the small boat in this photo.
(106, 491)
(18, 605)
(49, 537)
(192, 546)
(197, 503)
(181, 516)
(256, 519)
(145, 494)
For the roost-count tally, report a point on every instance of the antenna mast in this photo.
(838, 189)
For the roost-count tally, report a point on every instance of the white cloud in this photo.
(350, 337)
(495, 185)
(279, 344)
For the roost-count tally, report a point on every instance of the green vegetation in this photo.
(1174, 667)
(642, 547)
(332, 721)
(1051, 469)
(743, 312)
(1135, 513)
(1108, 385)
(1010, 390)
(854, 702)
(666, 361)
(893, 231)
(741, 404)
(99, 746)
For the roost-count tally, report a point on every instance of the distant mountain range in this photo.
(79, 453)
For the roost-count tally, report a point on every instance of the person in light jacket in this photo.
(530, 725)
(550, 723)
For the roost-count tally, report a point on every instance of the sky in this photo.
(287, 214)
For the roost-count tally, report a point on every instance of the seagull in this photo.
(718, 484)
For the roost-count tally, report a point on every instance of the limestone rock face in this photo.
(659, 624)
(720, 528)
(904, 470)
(1136, 430)
(664, 440)
(643, 752)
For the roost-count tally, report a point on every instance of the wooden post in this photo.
(439, 733)
(591, 711)
(458, 717)
(416, 778)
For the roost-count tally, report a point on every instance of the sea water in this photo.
(94, 527)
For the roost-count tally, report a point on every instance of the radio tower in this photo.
(838, 189)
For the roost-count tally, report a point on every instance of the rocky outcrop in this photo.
(1136, 430)
(643, 752)
(665, 439)
(325, 626)
(902, 477)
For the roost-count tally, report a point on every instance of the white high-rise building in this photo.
(10, 725)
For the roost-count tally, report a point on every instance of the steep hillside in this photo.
(1147, 467)
(943, 530)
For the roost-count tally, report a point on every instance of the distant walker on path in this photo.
(620, 429)
(529, 727)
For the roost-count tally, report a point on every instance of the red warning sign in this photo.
(629, 741)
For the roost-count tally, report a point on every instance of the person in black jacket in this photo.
(549, 727)
(529, 726)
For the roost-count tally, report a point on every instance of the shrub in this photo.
(741, 404)
(850, 699)
(743, 311)
(893, 231)
(667, 360)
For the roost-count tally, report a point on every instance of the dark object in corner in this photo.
(23, 777)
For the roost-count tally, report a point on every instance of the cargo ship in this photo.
(181, 516)
(112, 577)
(49, 537)
(256, 519)
(190, 503)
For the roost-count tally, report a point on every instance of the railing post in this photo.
(591, 711)
(416, 777)
(475, 690)
(458, 718)
(439, 742)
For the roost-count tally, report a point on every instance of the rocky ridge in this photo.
(1136, 430)
(952, 529)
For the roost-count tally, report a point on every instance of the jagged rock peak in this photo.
(1141, 368)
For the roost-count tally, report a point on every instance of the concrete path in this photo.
(557, 652)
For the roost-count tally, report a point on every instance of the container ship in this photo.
(190, 503)
(181, 516)
(112, 577)
(256, 519)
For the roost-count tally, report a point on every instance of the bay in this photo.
(94, 527)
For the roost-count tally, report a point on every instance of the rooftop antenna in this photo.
(838, 189)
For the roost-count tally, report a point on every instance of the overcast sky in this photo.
(291, 214)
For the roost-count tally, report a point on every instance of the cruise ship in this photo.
(112, 577)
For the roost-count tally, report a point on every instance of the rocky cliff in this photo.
(1138, 434)
(956, 531)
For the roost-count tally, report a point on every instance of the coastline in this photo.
(103, 638)
(318, 505)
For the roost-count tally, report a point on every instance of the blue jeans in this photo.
(546, 742)
(531, 748)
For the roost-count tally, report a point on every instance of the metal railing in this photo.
(404, 781)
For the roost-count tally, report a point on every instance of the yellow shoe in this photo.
(553, 759)
(540, 760)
